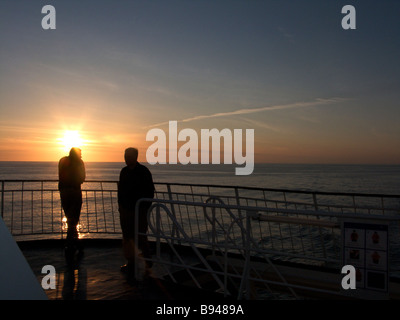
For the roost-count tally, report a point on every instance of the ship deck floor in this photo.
(97, 275)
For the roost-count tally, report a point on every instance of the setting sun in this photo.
(71, 139)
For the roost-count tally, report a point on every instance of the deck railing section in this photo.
(33, 207)
(245, 241)
(300, 226)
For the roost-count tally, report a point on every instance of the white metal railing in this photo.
(235, 230)
(33, 207)
(267, 224)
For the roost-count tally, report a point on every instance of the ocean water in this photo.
(377, 179)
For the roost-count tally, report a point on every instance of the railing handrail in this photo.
(310, 192)
(317, 213)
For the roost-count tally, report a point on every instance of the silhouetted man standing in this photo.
(135, 182)
(71, 172)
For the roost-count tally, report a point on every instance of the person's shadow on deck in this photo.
(75, 284)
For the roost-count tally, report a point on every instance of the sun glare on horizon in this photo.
(71, 139)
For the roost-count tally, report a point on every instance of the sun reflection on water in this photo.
(79, 227)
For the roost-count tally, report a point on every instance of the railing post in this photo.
(2, 198)
(315, 201)
(239, 210)
(214, 231)
(104, 210)
(174, 228)
(245, 284)
(22, 207)
(41, 204)
(136, 241)
(158, 226)
(319, 228)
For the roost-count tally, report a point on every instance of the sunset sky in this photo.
(113, 70)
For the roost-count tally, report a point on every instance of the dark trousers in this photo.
(127, 219)
(71, 201)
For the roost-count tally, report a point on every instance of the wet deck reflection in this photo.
(97, 275)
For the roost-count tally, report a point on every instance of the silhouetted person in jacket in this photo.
(135, 182)
(71, 172)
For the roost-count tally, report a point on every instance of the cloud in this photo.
(286, 34)
(316, 102)
(262, 125)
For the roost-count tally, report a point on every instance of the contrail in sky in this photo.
(317, 102)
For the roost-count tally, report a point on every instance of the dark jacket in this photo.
(134, 184)
(71, 173)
